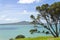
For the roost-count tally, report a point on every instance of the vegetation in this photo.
(47, 32)
(20, 36)
(33, 30)
(51, 15)
(11, 39)
(40, 38)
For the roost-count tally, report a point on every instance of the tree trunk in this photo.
(57, 34)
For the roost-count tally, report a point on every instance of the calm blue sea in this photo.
(11, 31)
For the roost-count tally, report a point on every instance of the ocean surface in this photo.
(11, 31)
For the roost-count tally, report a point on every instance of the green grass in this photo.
(40, 38)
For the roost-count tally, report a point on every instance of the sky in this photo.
(20, 10)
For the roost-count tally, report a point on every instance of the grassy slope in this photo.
(40, 38)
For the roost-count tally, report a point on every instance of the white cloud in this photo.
(28, 1)
(3, 16)
(8, 19)
(28, 12)
(25, 11)
(11, 19)
(5, 19)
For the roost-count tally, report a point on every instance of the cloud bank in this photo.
(28, 1)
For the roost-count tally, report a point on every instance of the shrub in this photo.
(11, 39)
(33, 30)
(20, 36)
(47, 32)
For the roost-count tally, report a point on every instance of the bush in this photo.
(43, 31)
(20, 36)
(11, 39)
(33, 30)
(47, 32)
(38, 32)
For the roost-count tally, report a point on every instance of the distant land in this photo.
(18, 23)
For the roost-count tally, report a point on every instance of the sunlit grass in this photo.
(40, 38)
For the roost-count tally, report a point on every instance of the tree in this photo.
(33, 30)
(51, 14)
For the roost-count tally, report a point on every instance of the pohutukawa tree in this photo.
(51, 14)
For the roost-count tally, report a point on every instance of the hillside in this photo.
(18, 23)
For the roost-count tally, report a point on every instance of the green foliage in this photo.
(47, 32)
(32, 16)
(11, 39)
(33, 30)
(41, 38)
(51, 14)
(20, 36)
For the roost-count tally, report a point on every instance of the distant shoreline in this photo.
(18, 23)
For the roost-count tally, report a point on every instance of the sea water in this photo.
(11, 31)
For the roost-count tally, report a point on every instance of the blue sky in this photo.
(19, 10)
